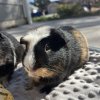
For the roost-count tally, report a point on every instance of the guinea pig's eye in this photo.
(47, 47)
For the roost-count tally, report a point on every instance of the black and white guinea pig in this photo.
(11, 53)
(52, 54)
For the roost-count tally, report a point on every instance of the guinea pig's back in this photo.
(76, 47)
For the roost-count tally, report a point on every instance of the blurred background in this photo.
(19, 17)
(63, 8)
(81, 14)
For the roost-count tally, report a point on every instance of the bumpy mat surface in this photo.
(84, 84)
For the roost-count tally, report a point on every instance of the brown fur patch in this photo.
(81, 39)
(5, 94)
(41, 73)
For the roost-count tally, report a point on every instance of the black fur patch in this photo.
(55, 40)
(7, 69)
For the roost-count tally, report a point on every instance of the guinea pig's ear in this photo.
(55, 40)
(22, 41)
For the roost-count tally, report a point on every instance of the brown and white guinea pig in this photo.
(52, 54)
(11, 53)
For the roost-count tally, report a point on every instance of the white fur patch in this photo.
(33, 38)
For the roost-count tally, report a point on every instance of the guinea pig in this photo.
(11, 52)
(52, 54)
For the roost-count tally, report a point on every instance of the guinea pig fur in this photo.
(11, 53)
(52, 54)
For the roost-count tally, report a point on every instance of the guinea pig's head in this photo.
(43, 56)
